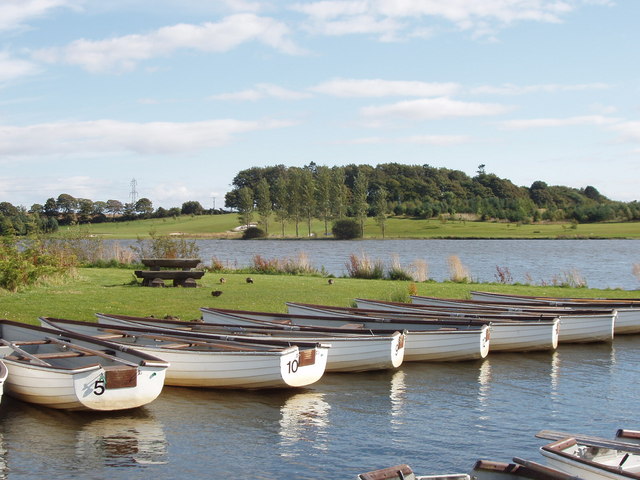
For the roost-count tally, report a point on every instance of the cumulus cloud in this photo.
(434, 108)
(13, 68)
(124, 53)
(434, 140)
(559, 122)
(15, 13)
(260, 91)
(345, 87)
(108, 136)
(406, 17)
(511, 89)
(629, 131)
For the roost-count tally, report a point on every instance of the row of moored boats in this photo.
(123, 361)
(569, 457)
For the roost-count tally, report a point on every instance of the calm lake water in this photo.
(601, 263)
(437, 418)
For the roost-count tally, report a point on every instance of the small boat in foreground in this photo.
(74, 372)
(482, 470)
(210, 361)
(593, 458)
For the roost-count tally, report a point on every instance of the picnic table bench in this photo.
(180, 270)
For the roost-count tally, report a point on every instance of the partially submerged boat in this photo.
(64, 370)
(436, 342)
(592, 458)
(482, 470)
(351, 350)
(211, 361)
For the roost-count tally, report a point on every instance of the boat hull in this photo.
(347, 353)
(592, 462)
(83, 389)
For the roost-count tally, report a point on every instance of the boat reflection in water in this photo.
(398, 396)
(304, 418)
(123, 441)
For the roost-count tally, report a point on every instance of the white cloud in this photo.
(434, 108)
(345, 87)
(434, 140)
(260, 91)
(510, 89)
(629, 131)
(13, 68)
(124, 53)
(483, 18)
(559, 122)
(14, 13)
(108, 136)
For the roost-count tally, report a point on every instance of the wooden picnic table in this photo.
(180, 270)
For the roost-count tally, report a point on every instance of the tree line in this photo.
(68, 210)
(279, 194)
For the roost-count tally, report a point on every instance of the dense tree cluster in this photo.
(68, 210)
(358, 191)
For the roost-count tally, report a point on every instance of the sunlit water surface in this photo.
(600, 263)
(437, 418)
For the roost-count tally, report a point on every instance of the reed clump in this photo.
(363, 267)
(458, 272)
(397, 271)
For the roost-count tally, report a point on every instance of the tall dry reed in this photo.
(458, 272)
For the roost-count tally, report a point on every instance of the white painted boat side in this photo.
(578, 328)
(518, 336)
(447, 346)
(3, 377)
(627, 322)
(355, 353)
(587, 328)
(80, 388)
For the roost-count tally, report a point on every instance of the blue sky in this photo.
(181, 95)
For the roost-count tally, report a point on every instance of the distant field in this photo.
(221, 226)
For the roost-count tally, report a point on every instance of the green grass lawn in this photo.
(116, 291)
(221, 226)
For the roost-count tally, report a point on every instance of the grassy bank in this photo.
(221, 226)
(113, 291)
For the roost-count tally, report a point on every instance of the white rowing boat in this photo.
(593, 458)
(627, 321)
(507, 335)
(424, 341)
(354, 351)
(75, 372)
(482, 470)
(509, 332)
(576, 326)
(211, 361)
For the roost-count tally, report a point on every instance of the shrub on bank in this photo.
(346, 229)
(252, 233)
(31, 262)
